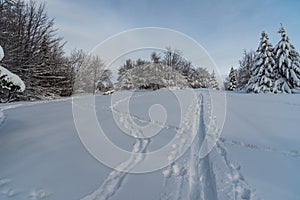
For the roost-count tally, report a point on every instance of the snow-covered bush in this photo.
(151, 76)
(199, 78)
(105, 85)
(10, 83)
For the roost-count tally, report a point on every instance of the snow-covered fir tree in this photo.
(262, 73)
(232, 80)
(287, 66)
(213, 83)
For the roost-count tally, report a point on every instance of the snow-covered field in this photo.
(257, 156)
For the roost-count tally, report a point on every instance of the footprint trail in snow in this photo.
(115, 179)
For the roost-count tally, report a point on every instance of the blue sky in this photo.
(223, 28)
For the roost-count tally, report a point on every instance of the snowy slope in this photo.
(261, 133)
(257, 157)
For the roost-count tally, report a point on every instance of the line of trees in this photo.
(269, 69)
(34, 52)
(33, 49)
(168, 70)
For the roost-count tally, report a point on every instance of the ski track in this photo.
(115, 179)
(202, 182)
(194, 176)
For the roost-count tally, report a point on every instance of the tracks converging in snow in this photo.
(194, 176)
(225, 173)
(115, 179)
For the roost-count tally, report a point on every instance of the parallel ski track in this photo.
(202, 183)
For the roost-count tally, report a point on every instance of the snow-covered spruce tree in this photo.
(125, 81)
(244, 71)
(262, 73)
(287, 66)
(10, 83)
(213, 83)
(128, 65)
(231, 80)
